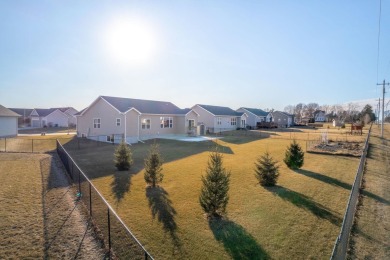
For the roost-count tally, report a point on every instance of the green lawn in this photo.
(299, 218)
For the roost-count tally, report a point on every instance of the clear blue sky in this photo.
(263, 54)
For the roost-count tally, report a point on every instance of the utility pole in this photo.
(383, 104)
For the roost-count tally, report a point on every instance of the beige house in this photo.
(218, 119)
(48, 117)
(112, 119)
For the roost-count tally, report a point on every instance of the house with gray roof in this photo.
(116, 118)
(8, 122)
(255, 116)
(281, 119)
(48, 117)
(217, 118)
(24, 119)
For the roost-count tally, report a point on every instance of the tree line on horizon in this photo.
(346, 114)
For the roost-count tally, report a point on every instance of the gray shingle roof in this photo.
(45, 111)
(22, 111)
(256, 111)
(7, 112)
(221, 111)
(145, 106)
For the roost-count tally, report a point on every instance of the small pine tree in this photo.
(153, 170)
(214, 193)
(123, 157)
(294, 156)
(267, 170)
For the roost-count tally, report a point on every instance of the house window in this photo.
(96, 123)
(145, 123)
(166, 122)
(219, 120)
(233, 121)
(118, 122)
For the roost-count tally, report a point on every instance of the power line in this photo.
(379, 35)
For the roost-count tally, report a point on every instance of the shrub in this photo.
(123, 157)
(266, 170)
(153, 166)
(214, 192)
(294, 156)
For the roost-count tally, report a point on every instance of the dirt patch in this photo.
(68, 232)
(339, 148)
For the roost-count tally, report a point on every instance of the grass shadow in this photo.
(303, 201)
(162, 209)
(121, 184)
(243, 136)
(324, 178)
(96, 158)
(236, 240)
(339, 183)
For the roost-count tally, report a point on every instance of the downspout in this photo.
(125, 136)
(139, 140)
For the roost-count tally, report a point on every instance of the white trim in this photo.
(197, 105)
(93, 123)
(192, 111)
(150, 123)
(170, 119)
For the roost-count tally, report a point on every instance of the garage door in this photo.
(35, 123)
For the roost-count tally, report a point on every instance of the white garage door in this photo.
(35, 123)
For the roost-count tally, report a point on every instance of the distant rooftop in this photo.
(220, 111)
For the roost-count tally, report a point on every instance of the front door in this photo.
(243, 123)
(191, 124)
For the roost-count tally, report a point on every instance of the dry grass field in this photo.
(39, 217)
(299, 218)
(371, 233)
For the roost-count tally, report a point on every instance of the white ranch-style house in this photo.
(217, 119)
(113, 119)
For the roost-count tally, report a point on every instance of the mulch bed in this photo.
(339, 148)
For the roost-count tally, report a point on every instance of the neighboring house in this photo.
(24, 119)
(115, 118)
(282, 119)
(51, 117)
(254, 116)
(8, 122)
(319, 116)
(217, 118)
(70, 112)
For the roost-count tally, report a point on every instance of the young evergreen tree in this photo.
(214, 192)
(153, 166)
(123, 157)
(294, 156)
(267, 170)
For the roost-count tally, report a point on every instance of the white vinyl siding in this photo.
(96, 123)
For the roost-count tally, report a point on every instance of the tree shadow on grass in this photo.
(161, 207)
(305, 202)
(324, 178)
(121, 184)
(236, 240)
(339, 183)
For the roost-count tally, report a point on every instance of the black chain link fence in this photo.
(118, 239)
(341, 245)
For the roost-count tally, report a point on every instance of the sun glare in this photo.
(130, 42)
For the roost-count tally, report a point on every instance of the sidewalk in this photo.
(371, 234)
